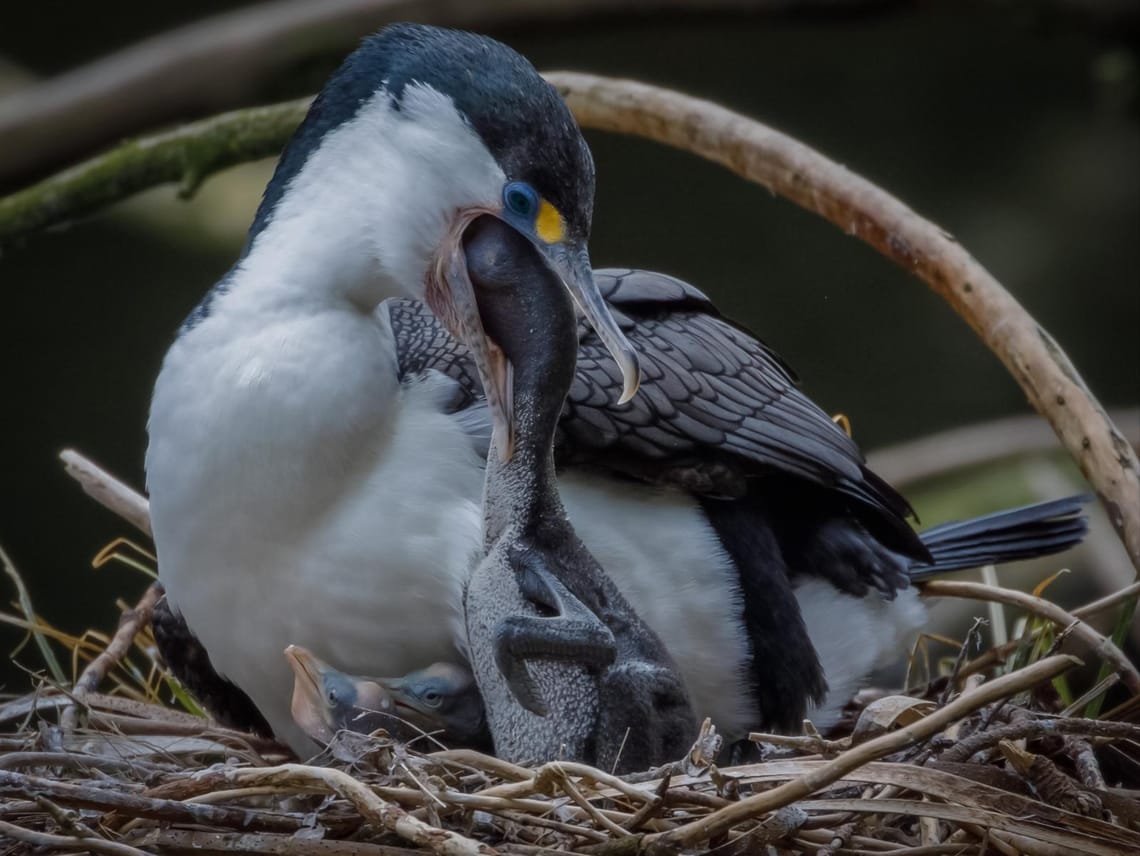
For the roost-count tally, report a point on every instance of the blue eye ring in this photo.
(520, 199)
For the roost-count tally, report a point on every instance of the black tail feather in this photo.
(1020, 533)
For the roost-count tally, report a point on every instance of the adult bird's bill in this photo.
(451, 293)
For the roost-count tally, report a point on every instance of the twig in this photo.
(185, 155)
(130, 622)
(973, 637)
(190, 841)
(83, 796)
(1108, 601)
(1096, 691)
(753, 151)
(571, 790)
(67, 842)
(374, 809)
(74, 761)
(990, 819)
(1038, 606)
(809, 743)
(1084, 759)
(721, 821)
(864, 210)
(650, 809)
(965, 748)
(107, 490)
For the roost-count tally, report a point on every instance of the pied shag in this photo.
(317, 447)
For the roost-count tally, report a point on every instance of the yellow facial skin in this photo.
(549, 225)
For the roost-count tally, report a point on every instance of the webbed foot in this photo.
(571, 632)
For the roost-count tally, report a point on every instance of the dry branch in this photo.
(371, 807)
(859, 208)
(67, 842)
(185, 155)
(108, 491)
(721, 821)
(130, 622)
(745, 146)
(1104, 647)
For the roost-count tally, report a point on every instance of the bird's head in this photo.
(420, 131)
(442, 697)
(326, 701)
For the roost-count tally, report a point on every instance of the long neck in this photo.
(523, 491)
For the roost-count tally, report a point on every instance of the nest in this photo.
(989, 754)
(984, 758)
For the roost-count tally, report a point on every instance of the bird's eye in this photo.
(432, 698)
(332, 697)
(520, 199)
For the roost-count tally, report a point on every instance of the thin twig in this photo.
(753, 151)
(1103, 646)
(67, 842)
(193, 841)
(374, 809)
(85, 796)
(130, 622)
(721, 821)
(1108, 601)
(965, 748)
(107, 490)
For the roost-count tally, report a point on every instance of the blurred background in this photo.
(1013, 125)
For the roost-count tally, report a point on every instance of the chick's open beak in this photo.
(308, 706)
(451, 295)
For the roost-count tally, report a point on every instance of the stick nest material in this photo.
(968, 764)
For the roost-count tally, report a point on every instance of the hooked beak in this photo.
(308, 705)
(451, 295)
(572, 264)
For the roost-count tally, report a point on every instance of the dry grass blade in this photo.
(33, 626)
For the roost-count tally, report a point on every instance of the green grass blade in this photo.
(29, 611)
(1123, 625)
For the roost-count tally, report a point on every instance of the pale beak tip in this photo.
(630, 374)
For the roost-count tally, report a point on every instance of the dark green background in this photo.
(1016, 132)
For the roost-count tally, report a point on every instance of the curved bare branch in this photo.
(796, 172)
(753, 151)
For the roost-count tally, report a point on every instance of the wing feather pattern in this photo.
(717, 406)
